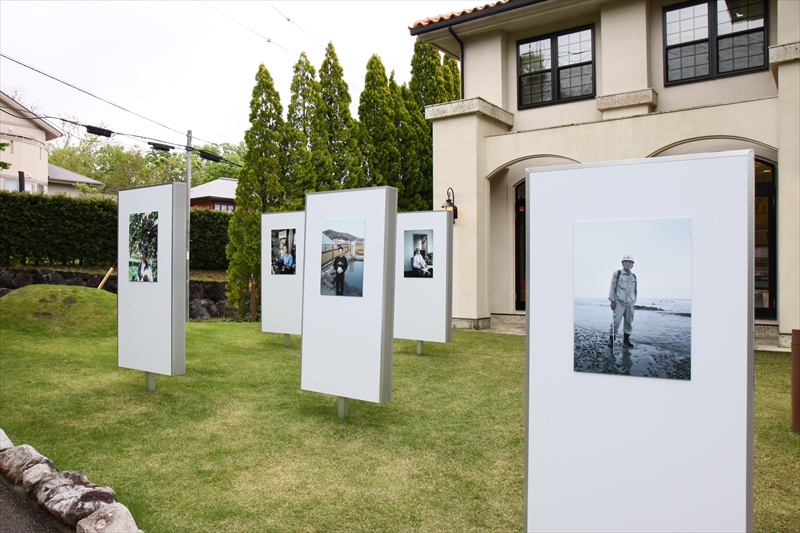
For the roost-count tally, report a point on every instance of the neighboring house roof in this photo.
(62, 175)
(221, 188)
(51, 132)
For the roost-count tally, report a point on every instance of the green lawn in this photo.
(234, 445)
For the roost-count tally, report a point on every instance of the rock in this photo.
(215, 291)
(75, 281)
(22, 279)
(223, 309)
(94, 281)
(71, 497)
(4, 291)
(113, 518)
(196, 290)
(55, 279)
(196, 310)
(36, 475)
(7, 279)
(5, 442)
(16, 460)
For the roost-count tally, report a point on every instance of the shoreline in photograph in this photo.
(592, 354)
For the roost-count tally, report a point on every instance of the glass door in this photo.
(519, 246)
(765, 300)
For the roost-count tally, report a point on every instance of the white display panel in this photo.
(282, 288)
(152, 246)
(347, 339)
(423, 307)
(625, 453)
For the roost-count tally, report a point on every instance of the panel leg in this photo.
(420, 350)
(287, 340)
(149, 381)
(344, 407)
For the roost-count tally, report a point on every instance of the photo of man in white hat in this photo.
(622, 295)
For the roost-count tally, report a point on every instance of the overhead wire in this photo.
(43, 73)
(268, 39)
(289, 20)
(133, 136)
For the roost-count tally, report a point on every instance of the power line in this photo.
(43, 73)
(268, 39)
(290, 21)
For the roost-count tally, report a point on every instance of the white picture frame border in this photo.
(282, 295)
(678, 453)
(347, 341)
(424, 306)
(151, 316)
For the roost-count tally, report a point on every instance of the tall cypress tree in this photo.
(340, 134)
(451, 65)
(416, 152)
(427, 76)
(376, 113)
(259, 189)
(303, 135)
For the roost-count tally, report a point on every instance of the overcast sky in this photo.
(186, 64)
(661, 248)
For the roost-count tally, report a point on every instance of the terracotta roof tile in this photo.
(455, 14)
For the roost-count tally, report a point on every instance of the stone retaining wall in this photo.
(207, 297)
(69, 496)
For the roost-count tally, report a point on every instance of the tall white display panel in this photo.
(632, 452)
(282, 286)
(424, 296)
(348, 293)
(151, 304)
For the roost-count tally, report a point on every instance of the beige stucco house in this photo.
(27, 151)
(548, 82)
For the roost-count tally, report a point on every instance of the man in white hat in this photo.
(622, 295)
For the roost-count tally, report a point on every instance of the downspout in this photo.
(463, 65)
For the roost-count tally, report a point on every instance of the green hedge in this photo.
(208, 232)
(64, 230)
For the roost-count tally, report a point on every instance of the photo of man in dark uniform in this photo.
(339, 268)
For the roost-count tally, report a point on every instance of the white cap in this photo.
(628, 257)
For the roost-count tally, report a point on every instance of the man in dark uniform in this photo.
(339, 268)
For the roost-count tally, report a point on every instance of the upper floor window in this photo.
(223, 207)
(555, 68)
(711, 38)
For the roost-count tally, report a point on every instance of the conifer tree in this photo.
(259, 189)
(427, 76)
(416, 152)
(340, 134)
(451, 65)
(376, 114)
(303, 135)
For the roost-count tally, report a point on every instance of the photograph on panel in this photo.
(143, 246)
(418, 253)
(284, 251)
(633, 297)
(343, 257)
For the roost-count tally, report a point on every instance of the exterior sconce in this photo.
(449, 204)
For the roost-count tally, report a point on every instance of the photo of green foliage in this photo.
(143, 246)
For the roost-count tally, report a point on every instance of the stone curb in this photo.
(76, 503)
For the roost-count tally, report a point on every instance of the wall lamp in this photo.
(449, 204)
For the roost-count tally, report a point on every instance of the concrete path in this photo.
(18, 515)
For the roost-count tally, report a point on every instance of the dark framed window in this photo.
(556, 68)
(712, 38)
(765, 268)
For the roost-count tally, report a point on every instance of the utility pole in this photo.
(188, 212)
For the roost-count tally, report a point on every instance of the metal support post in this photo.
(420, 349)
(795, 396)
(287, 340)
(344, 407)
(149, 381)
(188, 212)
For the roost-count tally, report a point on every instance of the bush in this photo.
(209, 236)
(62, 230)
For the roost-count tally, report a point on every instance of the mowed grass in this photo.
(234, 445)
